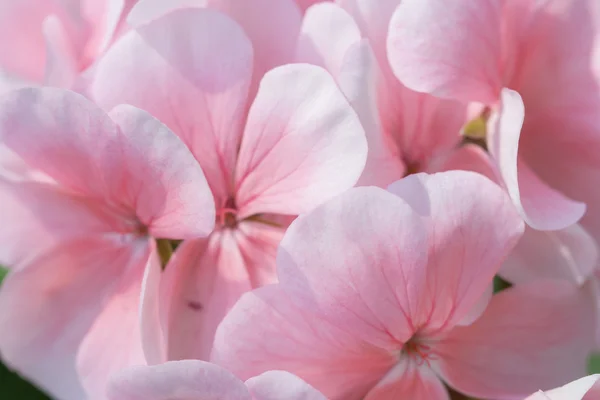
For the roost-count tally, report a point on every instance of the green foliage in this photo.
(11, 385)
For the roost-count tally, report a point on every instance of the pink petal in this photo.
(357, 262)
(114, 341)
(177, 380)
(327, 33)
(409, 381)
(202, 283)
(48, 306)
(203, 83)
(451, 50)
(303, 144)
(22, 44)
(373, 19)
(584, 388)
(569, 253)
(139, 165)
(530, 337)
(276, 385)
(330, 38)
(331, 360)
(36, 216)
(160, 177)
(61, 60)
(152, 332)
(542, 207)
(472, 228)
(273, 43)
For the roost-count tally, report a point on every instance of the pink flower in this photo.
(407, 132)
(191, 379)
(52, 41)
(381, 294)
(268, 156)
(532, 68)
(585, 388)
(83, 239)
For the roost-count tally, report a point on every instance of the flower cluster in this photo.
(300, 199)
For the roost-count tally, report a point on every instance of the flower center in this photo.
(418, 351)
(475, 131)
(227, 214)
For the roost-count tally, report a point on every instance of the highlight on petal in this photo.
(569, 253)
(530, 337)
(586, 388)
(177, 380)
(448, 49)
(200, 62)
(542, 207)
(302, 145)
(276, 385)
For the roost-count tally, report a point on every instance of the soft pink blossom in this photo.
(586, 388)
(381, 294)
(407, 132)
(82, 241)
(534, 65)
(268, 154)
(192, 379)
(52, 41)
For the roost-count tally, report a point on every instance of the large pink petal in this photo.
(541, 206)
(276, 385)
(114, 341)
(358, 261)
(273, 43)
(530, 337)
(472, 228)
(409, 381)
(159, 175)
(48, 306)
(177, 380)
(191, 69)
(132, 162)
(569, 253)
(451, 50)
(200, 285)
(266, 331)
(373, 19)
(37, 216)
(330, 38)
(303, 144)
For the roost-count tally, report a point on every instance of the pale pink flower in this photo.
(268, 156)
(407, 132)
(383, 294)
(52, 41)
(192, 379)
(532, 65)
(84, 238)
(586, 388)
